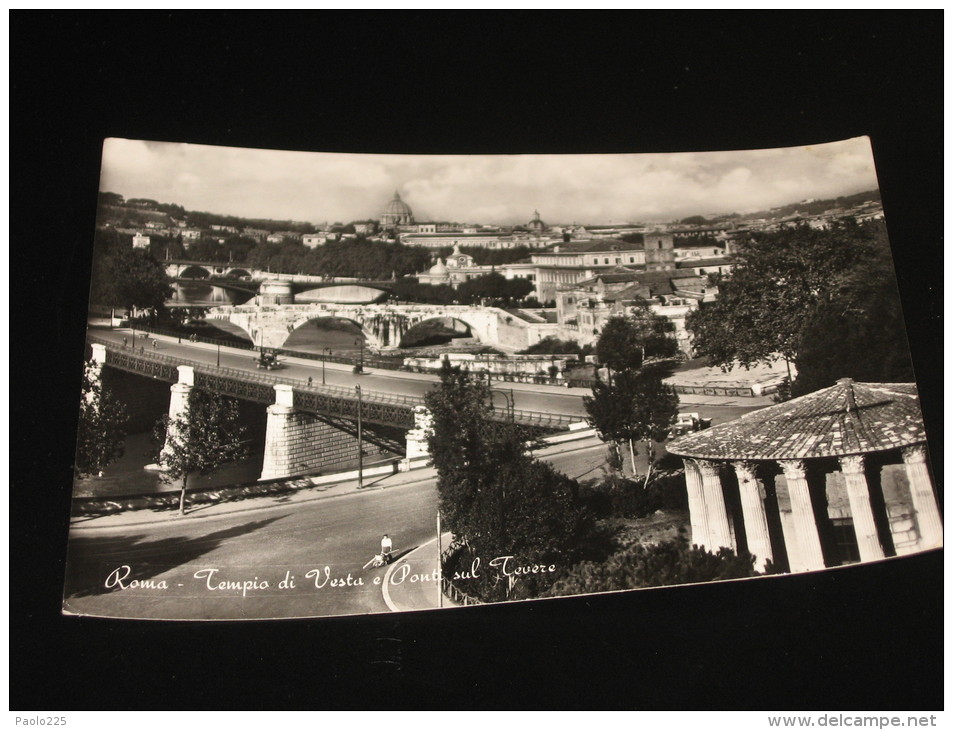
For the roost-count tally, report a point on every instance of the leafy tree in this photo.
(640, 566)
(126, 278)
(779, 281)
(102, 426)
(410, 290)
(620, 345)
(494, 287)
(554, 346)
(207, 437)
(491, 491)
(625, 342)
(858, 333)
(635, 406)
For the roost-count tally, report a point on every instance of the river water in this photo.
(146, 400)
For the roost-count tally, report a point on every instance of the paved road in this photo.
(547, 399)
(333, 536)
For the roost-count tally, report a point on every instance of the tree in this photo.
(554, 346)
(495, 287)
(126, 278)
(620, 345)
(780, 279)
(626, 341)
(635, 406)
(491, 491)
(207, 437)
(859, 333)
(102, 426)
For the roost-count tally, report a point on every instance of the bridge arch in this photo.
(371, 338)
(233, 328)
(194, 271)
(435, 326)
(238, 273)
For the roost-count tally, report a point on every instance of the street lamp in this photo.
(218, 354)
(510, 398)
(360, 441)
(360, 365)
(324, 361)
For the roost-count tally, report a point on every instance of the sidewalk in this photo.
(411, 583)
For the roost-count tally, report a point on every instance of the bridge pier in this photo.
(94, 368)
(418, 450)
(297, 442)
(179, 402)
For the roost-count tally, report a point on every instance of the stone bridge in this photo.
(308, 426)
(383, 325)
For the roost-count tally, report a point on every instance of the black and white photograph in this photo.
(516, 360)
(336, 384)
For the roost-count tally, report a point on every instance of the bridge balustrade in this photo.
(332, 400)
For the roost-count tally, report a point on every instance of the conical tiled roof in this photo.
(847, 418)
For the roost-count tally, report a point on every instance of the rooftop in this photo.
(846, 418)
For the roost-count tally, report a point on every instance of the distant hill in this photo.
(113, 207)
(804, 208)
(816, 207)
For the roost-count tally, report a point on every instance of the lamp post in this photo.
(218, 354)
(360, 364)
(360, 441)
(508, 397)
(324, 362)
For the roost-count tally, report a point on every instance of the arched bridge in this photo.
(244, 287)
(383, 325)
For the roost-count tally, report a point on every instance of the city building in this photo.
(141, 241)
(583, 308)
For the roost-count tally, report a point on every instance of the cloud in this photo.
(486, 188)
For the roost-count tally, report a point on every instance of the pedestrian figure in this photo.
(155, 345)
(386, 547)
(125, 341)
(309, 381)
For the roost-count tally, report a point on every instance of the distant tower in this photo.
(397, 213)
(659, 251)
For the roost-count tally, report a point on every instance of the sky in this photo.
(488, 189)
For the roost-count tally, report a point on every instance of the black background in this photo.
(868, 637)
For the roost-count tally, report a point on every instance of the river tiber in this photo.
(412, 393)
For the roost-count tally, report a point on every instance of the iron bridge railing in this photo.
(331, 400)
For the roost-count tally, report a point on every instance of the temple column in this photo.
(929, 522)
(696, 503)
(179, 403)
(808, 548)
(756, 519)
(719, 531)
(858, 492)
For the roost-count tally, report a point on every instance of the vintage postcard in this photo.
(337, 384)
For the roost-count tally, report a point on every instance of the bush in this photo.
(616, 497)
(665, 564)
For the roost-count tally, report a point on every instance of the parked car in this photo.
(689, 423)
